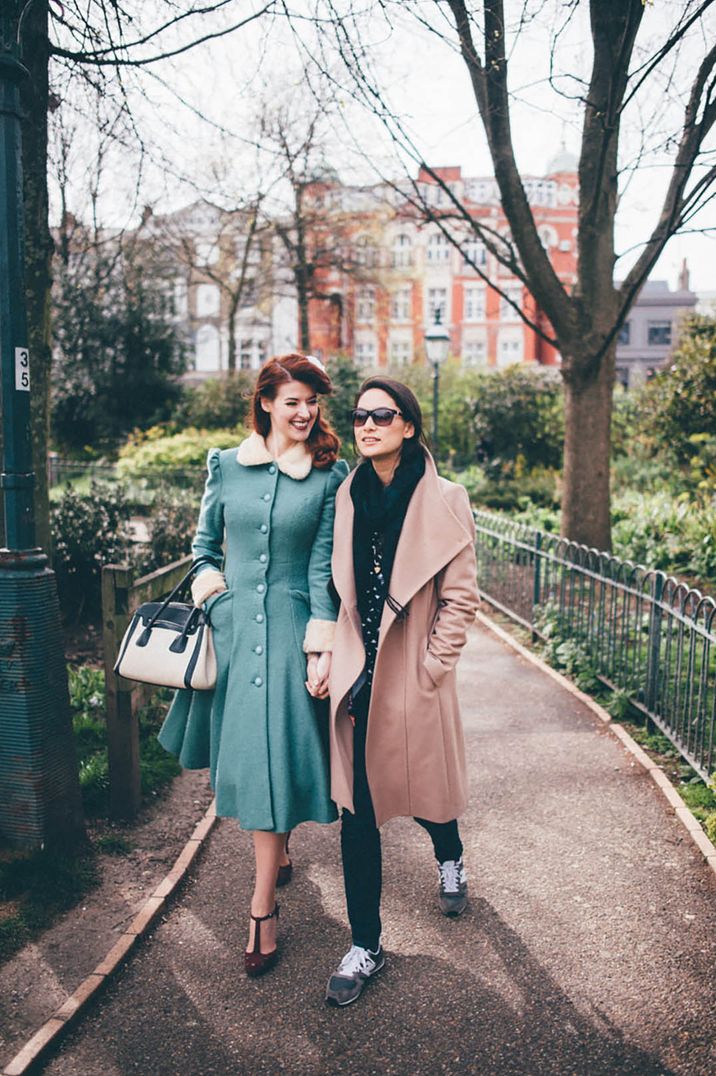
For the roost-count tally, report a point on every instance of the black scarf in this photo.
(380, 510)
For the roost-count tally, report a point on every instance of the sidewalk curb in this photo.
(47, 1037)
(676, 805)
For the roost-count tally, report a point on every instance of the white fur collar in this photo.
(296, 462)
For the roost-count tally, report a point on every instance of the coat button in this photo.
(259, 618)
(258, 681)
(263, 558)
(258, 649)
(272, 469)
(267, 496)
(263, 528)
(260, 588)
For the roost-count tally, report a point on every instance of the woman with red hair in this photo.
(266, 522)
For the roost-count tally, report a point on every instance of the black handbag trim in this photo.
(194, 658)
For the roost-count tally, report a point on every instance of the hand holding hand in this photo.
(318, 669)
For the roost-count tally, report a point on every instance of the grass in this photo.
(36, 887)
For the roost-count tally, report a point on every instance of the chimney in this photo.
(684, 276)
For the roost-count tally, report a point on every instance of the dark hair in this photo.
(406, 402)
(323, 442)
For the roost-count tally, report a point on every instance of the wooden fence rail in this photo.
(121, 595)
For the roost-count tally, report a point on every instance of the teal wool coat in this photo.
(258, 730)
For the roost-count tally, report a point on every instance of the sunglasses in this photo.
(382, 416)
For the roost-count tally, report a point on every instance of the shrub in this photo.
(172, 525)
(681, 400)
(168, 456)
(517, 415)
(88, 531)
(674, 534)
(219, 403)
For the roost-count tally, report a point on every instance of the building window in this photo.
(624, 333)
(474, 254)
(548, 236)
(365, 304)
(438, 249)
(659, 332)
(474, 353)
(510, 349)
(207, 300)
(507, 310)
(474, 304)
(437, 304)
(207, 350)
(207, 251)
(180, 298)
(400, 304)
(366, 253)
(401, 253)
(252, 353)
(401, 352)
(365, 352)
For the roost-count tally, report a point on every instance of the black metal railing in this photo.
(643, 632)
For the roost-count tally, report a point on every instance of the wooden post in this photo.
(125, 787)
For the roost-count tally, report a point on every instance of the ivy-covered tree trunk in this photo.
(38, 247)
(587, 427)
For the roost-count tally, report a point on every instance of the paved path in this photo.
(589, 948)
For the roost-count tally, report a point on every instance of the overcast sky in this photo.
(426, 83)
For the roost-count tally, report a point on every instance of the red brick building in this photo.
(404, 269)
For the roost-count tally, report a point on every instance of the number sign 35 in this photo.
(22, 369)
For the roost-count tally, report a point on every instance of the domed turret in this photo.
(562, 162)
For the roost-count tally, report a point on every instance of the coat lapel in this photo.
(431, 537)
(342, 561)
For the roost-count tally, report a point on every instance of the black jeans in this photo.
(360, 843)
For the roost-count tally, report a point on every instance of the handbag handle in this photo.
(177, 589)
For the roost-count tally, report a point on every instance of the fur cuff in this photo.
(319, 636)
(210, 581)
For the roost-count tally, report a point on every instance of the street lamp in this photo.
(437, 346)
(39, 789)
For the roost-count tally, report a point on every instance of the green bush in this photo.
(517, 419)
(219, 403)
(172, 525)
(167, 456)
(89, 723)
(680, 402)
(673, 534)
(88, 531)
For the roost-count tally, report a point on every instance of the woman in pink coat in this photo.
(404, 569)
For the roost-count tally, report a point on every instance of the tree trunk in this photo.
(587, 440)
(38, 248)
(303, 301)
(231, 358)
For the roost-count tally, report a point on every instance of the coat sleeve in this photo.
(458, 600)
(322, 624)
(209, 538)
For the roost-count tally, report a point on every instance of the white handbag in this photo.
(169, 643)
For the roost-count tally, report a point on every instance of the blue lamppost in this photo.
(39, 790)
(437, 348)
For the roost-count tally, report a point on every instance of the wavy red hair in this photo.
(323, 442)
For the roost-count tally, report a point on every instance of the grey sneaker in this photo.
(453, 887)
(357, 966)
